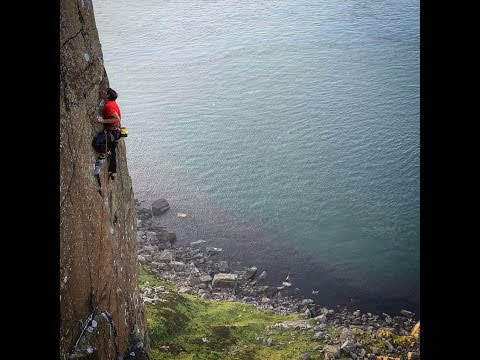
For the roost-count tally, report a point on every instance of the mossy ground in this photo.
(183, 327)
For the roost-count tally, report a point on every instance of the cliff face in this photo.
(98, 247)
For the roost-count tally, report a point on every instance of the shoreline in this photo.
(245, 244)
(196, 269)
(199, 253)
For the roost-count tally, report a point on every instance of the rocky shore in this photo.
(196, 269)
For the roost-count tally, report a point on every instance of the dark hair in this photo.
(112, 94)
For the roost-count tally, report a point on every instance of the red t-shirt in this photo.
(111, 107)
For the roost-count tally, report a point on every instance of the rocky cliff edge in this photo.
(101, 312)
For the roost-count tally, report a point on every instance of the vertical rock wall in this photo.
(98, 248)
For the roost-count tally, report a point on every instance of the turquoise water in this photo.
(287, 131)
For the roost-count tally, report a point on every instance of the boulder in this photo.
(159, 207)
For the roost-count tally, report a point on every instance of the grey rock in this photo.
(164, 256)
(348, 346)
(224, 280)
(407, 313)
(223, 266)
(321, 318)
(250, 273)
(205, 278)
(177, 265)
(331, 351)
(159, 207)
(198, 242)
(263, 275)
(213, 250)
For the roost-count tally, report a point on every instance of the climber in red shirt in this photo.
(111, 119)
